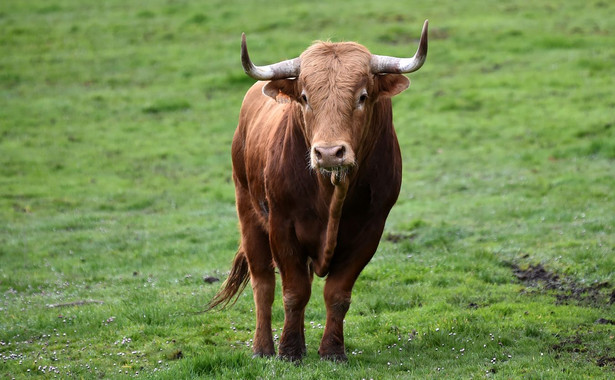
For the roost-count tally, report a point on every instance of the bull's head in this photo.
(337, 86)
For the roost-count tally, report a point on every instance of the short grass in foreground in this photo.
(116, 199)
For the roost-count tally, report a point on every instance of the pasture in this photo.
(117, 204)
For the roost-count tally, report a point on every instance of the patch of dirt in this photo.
(398, 237)
(535, 273)
(570, 344)
(604, 361)
(565, 289)
(587, 341)
(210, 279)
(582, 343)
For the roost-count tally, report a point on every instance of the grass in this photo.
(115, 186)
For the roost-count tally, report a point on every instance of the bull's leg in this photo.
(296, 289)
(262, 278)
(255, 244)
(337, 292)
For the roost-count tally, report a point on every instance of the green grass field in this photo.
(116, 198)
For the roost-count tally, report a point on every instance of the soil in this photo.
(210, 279)
(565, 289)
(604, 321)
(398, 237)
(580, 343)
(604, 361)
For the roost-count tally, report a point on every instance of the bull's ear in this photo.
(390, 85)
(284, 87)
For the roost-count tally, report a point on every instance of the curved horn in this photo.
(280, 70)
(382, 64)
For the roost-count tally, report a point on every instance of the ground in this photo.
(117, 205)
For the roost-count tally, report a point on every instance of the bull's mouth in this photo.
(334, 169)
(337, 172)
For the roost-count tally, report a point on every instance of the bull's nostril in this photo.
(340, 152)
(329, 156)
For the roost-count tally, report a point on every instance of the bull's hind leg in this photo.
(262, 278)
(255, 244)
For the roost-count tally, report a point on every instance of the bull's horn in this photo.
(280, 70)
(382, 64)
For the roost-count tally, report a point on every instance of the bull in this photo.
(317, 168)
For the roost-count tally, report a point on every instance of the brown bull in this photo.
(317, 168)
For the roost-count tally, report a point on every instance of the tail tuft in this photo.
(234, 284)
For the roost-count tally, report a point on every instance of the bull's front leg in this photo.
(337, 299)
(296, 291)
(338, 288)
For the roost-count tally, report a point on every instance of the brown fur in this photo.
(286, 206)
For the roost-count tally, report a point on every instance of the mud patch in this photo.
(584, 344)
(535, 273)
(571, 344)
(210, 279)
(604, 321)
(565, 289)
(604, 361)
(588, 341)
(399, 237)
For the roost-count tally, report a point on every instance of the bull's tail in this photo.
(234, 284)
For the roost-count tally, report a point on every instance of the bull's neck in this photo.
(379, 123)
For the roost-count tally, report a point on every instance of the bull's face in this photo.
(336, 98)
(337, 85)
(337, 91)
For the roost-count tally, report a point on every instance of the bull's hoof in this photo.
(262, 355)
(293, 355)
(334, 357)
(265, 351)
(291, 358)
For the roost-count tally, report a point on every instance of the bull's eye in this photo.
(304, 98)
(362, 99)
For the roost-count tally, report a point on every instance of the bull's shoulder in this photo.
(260, 134)
(260, 113)
(254, 100)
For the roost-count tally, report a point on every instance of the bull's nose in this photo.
(330, 156)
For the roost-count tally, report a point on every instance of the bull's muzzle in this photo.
(332, 157)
